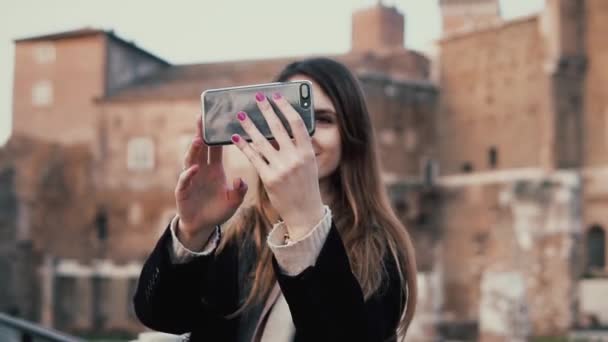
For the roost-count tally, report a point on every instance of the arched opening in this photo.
(596, 249)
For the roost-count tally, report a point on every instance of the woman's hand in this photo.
(289, 174)
(202, 196)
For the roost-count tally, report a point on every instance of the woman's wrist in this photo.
(298, 227)
(193, 241)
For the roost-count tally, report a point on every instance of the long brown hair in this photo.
(361, 209)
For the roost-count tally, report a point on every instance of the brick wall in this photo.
(377, 28)
(8, 232)
(516, 229)
(492, 95)
(468, 15)
(595, 118)
(596, 84)
(403, 115)
(76, 77)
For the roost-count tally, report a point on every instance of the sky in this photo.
(198, 31)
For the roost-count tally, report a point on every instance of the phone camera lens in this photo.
(305, 91)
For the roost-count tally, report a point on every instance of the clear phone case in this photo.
(220, 107)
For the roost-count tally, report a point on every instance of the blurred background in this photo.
(491, 118)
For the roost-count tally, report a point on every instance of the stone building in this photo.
(522, 105)
(497, 166)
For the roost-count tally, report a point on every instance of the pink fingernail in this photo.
(260, 96)
(276, 96)
(235, 138)
(241, 116)
(197, 142)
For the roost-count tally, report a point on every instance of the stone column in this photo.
(423, 326)
(503, 312)
(47, 276)
(532, 278)
(118, 317)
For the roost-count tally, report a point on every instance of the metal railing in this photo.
(17, 330)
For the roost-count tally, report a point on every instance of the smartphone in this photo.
(220, 107)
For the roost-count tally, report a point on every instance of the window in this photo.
(136, 214)
(397, 195)
(430, 171)
(101, 224)
(410, 139)
(140, 154)
(596, 249)
(23, 232)
(42, 93)
(493, 157)
(391, 90)
(400, 206)
(422, 219)
(387, 137)
(45, 53)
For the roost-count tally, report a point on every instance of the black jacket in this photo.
(326, 301)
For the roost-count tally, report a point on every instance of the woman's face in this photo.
(326, 141)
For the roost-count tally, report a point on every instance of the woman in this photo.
(318, 256)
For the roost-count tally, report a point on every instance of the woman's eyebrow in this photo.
(324, 111)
